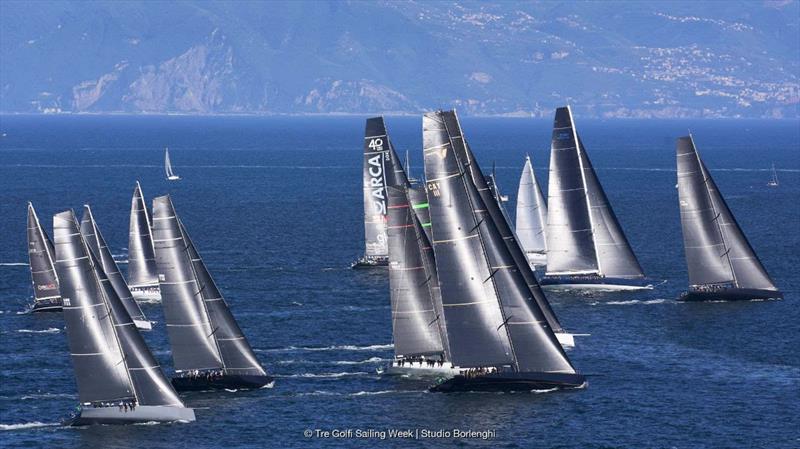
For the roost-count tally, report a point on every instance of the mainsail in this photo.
(717, 252)
(415, 326)
(202, 332)
(43, 273)
(112, 363)
(97, 244)
(496, 213)
(377, 174)
(141, 254)
(491, 320)
(168, 166)
(583, 235)
(531, 212)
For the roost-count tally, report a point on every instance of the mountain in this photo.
(607, 59)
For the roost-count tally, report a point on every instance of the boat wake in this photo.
(46, 396)
(27, 425)
(329, 348)
(50, 330)
(13, 264)
(629, 302)
(323, 375)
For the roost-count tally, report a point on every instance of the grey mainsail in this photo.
(531, 217)
(41, 257)
(490, 208)
(376, 174)
(202, 332)
(97, 244)
(141, 254)
(583, 234)
(717, 252)
(112, 363)
(414, 318)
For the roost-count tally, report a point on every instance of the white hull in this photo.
(421, 370)
(566, 340)
(597, 287)
(146, 293)
(143, 325)
(536, 259)
(174, 178)
(142, 413)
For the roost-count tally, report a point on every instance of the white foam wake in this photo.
(323, 375)
(329, 348)
(49, 330)
(27, 425)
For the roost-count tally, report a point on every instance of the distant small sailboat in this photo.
(168, 167)
(209, 350)
(97, 244)
(721, 263)
(119, 381)
(774, 181)
(46, 295)
(142, 277)
(531, 225)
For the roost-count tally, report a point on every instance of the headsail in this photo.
(111, 361)
(97, 244)
(202, 332)
(42, 264)
(141, 254)
(717, 252)
(531, 212)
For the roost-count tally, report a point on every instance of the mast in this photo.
(97, 244)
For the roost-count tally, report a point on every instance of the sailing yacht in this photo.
(97, 244)
(774, 181)
(375, 178)
(209, 350)
(722, 265)
(492, 199)
(586, 248)
(41, 256)
(142, 278)
(498, 335)
(531, 216)
(171, 176)
(118, 379)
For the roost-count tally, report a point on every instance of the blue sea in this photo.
(274, 206)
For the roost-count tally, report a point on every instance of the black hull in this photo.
(47, 307)
(228, 381)
(590, 281)
(369, 263)
(731, 294)
(507, 382)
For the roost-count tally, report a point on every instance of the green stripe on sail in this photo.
(426, 225)
(420, 206)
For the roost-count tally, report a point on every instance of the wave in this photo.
(323, 375)
(13, 264)
(46, 396)
(361, 362)
(329, 348)
(49, 330)
(630, 302)
(27, 425)
(373, 393)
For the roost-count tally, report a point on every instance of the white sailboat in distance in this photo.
(168, 167)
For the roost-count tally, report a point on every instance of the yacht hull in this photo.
(141, 414)
(506, 382)
(46, 308)
(596, 283)
(421, 370)
(732, 294)
(369, 263)
(227, 381)
(146, 293)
